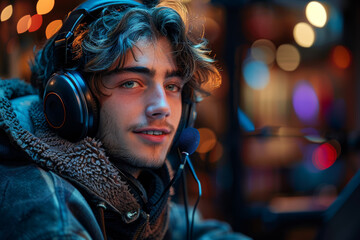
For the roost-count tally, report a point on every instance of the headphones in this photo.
(70, 107)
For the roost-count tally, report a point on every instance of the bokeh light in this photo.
(304, 35)
(341, 56)
(263, 50)
(324, 156)
(216, 153)
(207, 140)
(305, 102)
(312, 135)
(256, 74)
(305, 176)
(23, 24)
(44, 6)
(6, 13)
(52, 28)
(36, 21)
(287, 57)
(245, 123)
(335, 24)
(316, 14)
(315, 139)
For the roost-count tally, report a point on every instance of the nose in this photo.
(157, 106)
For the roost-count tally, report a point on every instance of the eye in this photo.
(130, 84)
(173, 88)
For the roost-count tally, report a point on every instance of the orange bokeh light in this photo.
(341, 57)
(44, 6)
(23, 24)
(52, 28)
(207, 140)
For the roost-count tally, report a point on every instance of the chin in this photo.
(147, 162)
(138, 160)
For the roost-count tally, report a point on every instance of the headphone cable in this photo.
(198, 199)
(186, 208)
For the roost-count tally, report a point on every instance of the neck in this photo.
(126, 168)
(135, 172)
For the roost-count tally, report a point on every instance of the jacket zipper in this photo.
(101, 208)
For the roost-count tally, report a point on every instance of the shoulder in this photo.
(20, 180)
(35, 203)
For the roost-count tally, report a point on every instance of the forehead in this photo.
(151, 59)
(146, 52)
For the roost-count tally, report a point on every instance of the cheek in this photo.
(122, 111)
(111, 112)
(176, 112)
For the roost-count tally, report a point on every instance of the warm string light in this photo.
(52, 28)
(304, 35)
(288, 57)
(6, 13)
(316, 14)
(23, 24)
(44, 6)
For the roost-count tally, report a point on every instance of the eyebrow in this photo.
(145, 71)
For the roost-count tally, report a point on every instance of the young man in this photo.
(126, 72)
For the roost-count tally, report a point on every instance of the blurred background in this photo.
(280, 138)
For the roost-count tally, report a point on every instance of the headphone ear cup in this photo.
(188, 117)
(69, 106)
(189, 114)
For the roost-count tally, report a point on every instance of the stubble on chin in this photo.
(134, 164)
(125, 156)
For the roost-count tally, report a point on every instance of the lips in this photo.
(152, 136)
(153, 132)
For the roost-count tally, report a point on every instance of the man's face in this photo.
(142, 109)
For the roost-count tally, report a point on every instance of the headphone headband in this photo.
(87, 10)
(94, 5)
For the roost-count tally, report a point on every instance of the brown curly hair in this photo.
(104, 42)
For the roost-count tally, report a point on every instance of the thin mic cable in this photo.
(186, 206)
(173, 180)
(192, 170)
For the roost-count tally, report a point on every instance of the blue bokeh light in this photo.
(256, 74)
(245, 122)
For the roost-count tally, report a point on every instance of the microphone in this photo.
(189, 140)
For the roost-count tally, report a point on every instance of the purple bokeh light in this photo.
(305, 102)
